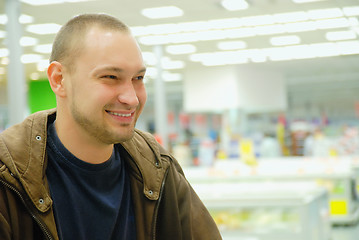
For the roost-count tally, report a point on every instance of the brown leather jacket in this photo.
(166, 207)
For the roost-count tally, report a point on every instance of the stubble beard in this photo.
(99, 130)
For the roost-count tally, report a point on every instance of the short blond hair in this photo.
(69, 41)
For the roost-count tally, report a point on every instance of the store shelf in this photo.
(337, 176)
(268, 211)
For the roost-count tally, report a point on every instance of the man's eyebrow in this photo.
(118, 70)
(143, 70)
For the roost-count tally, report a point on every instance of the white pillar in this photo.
(17, 100)
(160, 100)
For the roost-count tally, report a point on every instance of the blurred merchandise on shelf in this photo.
(338, 175)
(267, 210)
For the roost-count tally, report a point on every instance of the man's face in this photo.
(105, 90)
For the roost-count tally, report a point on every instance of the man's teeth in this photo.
(121, 115)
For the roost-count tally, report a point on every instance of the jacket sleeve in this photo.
(181, 200)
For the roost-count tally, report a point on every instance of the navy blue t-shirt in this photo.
(91, 201)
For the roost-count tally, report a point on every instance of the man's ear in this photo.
(55, 74)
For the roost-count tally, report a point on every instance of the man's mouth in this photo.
(120, 114)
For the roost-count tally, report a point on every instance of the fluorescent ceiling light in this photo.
(149, 58)
(25, 19)
(28, 41)
(42, 65)
(300, 27)
(340, 35)
(332, 23)
(351, 11)
(234, 5)
(290, 17)
(47, 28)
(162, 12)
(35, 76)
(325, 49)
(44, 48)
(258, 20)
(269, 30)
(48, 2)
(348, 47)
(181, 49)
(4, 52)
(306, 51)
(171, 77)
(30, 58)
(4, 60)
(285, 40)
(306, 1)
(325, 13)
(231, 45)
(224, 23)
(2, 34)
(167, 63)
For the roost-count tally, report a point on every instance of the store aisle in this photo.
(345, 232)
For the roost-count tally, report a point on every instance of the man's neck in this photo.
(82, 146)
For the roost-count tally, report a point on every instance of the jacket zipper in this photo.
(158, 205)
(37, 220)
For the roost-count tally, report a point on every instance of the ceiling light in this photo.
(348, 47)
(2, 34)
(325, 13)
(224, 23)
(231, 45)
(171, 77)
(340, 35)
(300, 27)
(28, 41)
(30, 58)
(332, 23)
(162, 12)
(42, 2)
(35, 76)
(351, 11)
(149, 58)
(290, 17)
(258, 20)
(4, 60)
(306, 1)
(234, 5)
(3, 19)
(269, 30)
(167, 63)
(42, 65)
(44, 48)
(4, 52)
(239, 33)
(325, 49)
(300, 52)
(48, 2)
(46, 28)
(181, 49)
(24, 19)
(285, 40)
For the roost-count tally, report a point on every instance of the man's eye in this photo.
(110, 76)
(140, 78)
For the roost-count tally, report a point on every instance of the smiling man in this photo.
(82, 170)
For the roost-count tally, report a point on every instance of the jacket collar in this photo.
(146, 153)
(25, 144)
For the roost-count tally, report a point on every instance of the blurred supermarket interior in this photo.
(257, 99)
